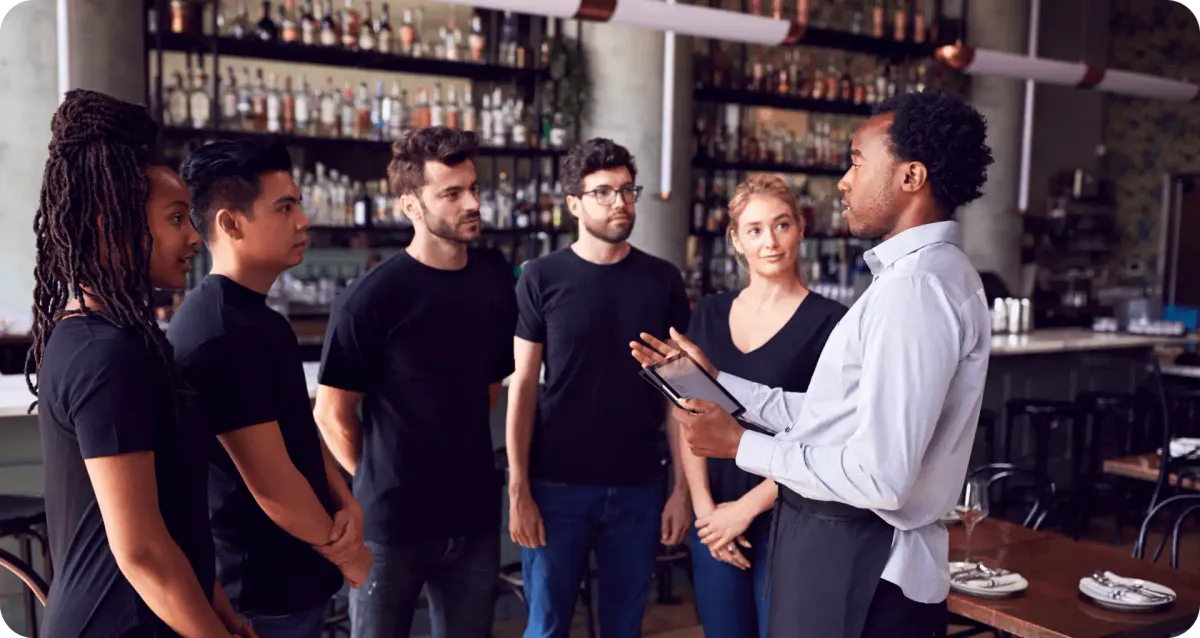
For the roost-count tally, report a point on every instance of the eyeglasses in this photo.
(606, 195)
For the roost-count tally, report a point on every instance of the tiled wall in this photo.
(1147, 138)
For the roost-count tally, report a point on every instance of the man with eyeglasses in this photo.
(585, 454)
(420, 345)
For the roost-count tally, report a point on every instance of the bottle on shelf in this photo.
(437, 111)
(384, 37)
(274, 105)
(901, 21)
(468, 110)
(289, 27)
(200, 98)
(408, 32)
(310, 28)
(351, 25)
(240, 27)
(302, 108)
(330, 33)
(477, 41)
(330, 110)
(363, 125)
(258, 104)
(265, 29)
(176, 100)
(367, 40)
(288, 106)
(348, 112)
(230, 118)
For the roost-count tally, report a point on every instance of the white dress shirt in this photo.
(889, 418)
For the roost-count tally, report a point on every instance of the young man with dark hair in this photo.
(875, 453)
(422, 343)
(284, 520)
(585, 456)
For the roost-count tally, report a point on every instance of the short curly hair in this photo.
(406, 171)
(948, 136)
(596, 154)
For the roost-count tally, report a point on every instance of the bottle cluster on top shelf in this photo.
(814, 74)
(333, 200)
(896, 20)
(317, 24)
(273, 106)
(731, 133)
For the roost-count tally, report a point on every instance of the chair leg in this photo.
(30, 601)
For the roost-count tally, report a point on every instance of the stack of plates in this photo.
(977, 580)
(1125, 594)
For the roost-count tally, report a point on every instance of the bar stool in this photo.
(987, 428)
(1042, 418)
(1109, 422)
(24, 517)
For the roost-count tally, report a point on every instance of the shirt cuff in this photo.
(741, 389)
(755, 452)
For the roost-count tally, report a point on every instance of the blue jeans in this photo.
(304, 624)
(731, 602)
(623, 525)
(459, 575)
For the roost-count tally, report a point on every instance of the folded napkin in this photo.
(990, 582)
(1128, 588)
(1184, 446)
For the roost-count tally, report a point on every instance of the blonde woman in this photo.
(771, 332)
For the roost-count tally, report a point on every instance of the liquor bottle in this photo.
(363, 126)
(330, 125)
(258, 103)
(274, 105)
(351, 24)
(777, 9)
(362, 205)
(366, 35)
(240, 27)
(901, 22)
(477, 41)
(266, 30)
(468, 110)
(229, 101)
(310, 28)
(452, 38)
(919, 22)
(408, 33)
(288, 98)
(302, 108)
(399, 115)
(558, 131)
(878, 19)
(520, 128)
(802, 11)
(508, 40)
(349, 113)
(289, 29)
(331, 34)
(177, 102)
(485, 120)
(245, 106)
(452, 112)
(437, 111)
(380, 108)
(200, 100)
(384, 36)
(180, 22)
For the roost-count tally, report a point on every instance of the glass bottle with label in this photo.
(408, 32)
(351, 24)
(200, 100)
(558, 131)
(363, 126)
(468, 110)
(384, 38)
(901, 22)
(331, 33)
(229, 101)
(485, 120)
(177, 102)
(452, 112)
(301, 107)
(274, 105)
(520, 129)
(266, 30)
(437, 114)
(366, 33)
(348, 112)
(309, 27)
(258, 103)
(289, 28)
(476, 41)
(288, 106)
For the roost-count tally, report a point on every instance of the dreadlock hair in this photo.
(91, 225)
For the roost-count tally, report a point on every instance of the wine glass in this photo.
(973, 507)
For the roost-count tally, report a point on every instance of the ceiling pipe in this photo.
(1035, 19)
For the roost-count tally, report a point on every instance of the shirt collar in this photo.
(890, 251)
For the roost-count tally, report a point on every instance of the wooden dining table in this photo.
(1052, 606)
(1143, 467)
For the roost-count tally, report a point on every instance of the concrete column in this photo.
(107, 49)
(991, 225)
(28, 97)
(625, 65)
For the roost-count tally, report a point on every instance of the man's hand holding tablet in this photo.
(709, 429)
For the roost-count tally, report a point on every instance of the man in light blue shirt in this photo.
(871, 457)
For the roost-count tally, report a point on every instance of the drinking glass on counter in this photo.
(972, 508)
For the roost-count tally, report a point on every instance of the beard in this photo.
(602, 231)
(443, 228)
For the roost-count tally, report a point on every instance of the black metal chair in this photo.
(1109, 426)
(1189, 504)
(1038, 493)
(23, 517)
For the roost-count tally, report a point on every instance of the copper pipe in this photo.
(596, 10)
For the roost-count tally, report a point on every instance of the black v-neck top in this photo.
(786, 361)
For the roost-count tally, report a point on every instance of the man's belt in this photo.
(823, 509)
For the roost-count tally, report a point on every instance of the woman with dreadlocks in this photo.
(126, 476)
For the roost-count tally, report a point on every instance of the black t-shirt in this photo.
(242, 359)
(785, 361)
(423, 345)
(598, 422)
(103, 394)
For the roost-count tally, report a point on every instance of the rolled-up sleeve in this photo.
(912, 337)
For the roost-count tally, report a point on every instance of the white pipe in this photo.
(1035, 15)
(550, 8)
(63, 41)
(668, 113)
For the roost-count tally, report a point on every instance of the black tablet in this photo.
(680, 377)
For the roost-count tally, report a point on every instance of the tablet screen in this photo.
(688, 380)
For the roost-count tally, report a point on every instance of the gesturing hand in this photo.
(708, 429)
(655, 350)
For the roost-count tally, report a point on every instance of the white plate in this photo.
(1017, 585)
(1129, 602)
